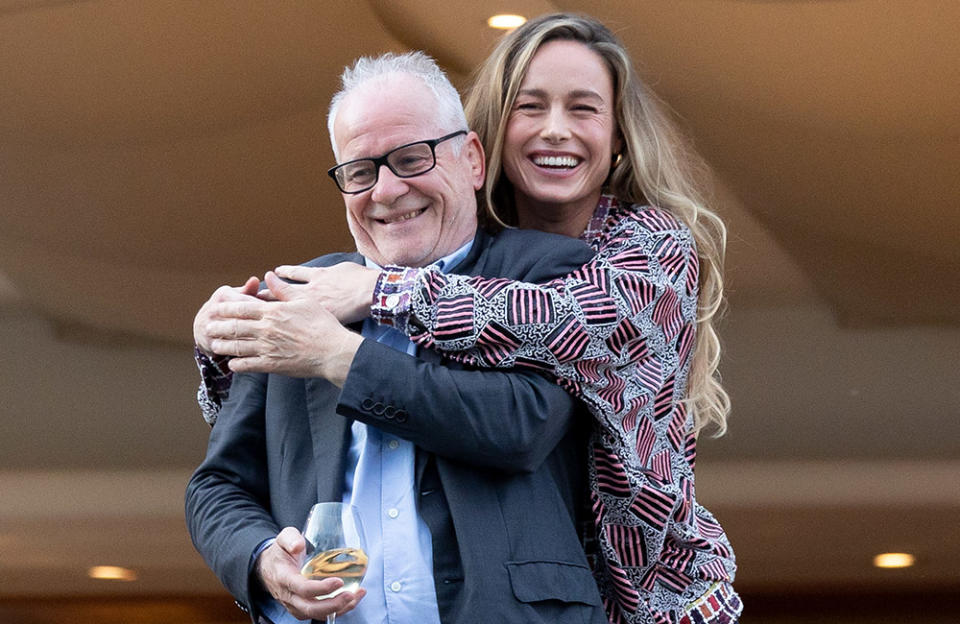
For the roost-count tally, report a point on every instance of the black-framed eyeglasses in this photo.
(406, 161)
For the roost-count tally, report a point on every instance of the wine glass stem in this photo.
(331, 618)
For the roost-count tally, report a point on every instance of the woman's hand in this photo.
(212, 311)
(345, 289)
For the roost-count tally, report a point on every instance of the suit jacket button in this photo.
(367, 404)
(378, 409)
(401, 416)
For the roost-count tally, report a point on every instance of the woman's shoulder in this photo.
(651, 218)
(640, 225)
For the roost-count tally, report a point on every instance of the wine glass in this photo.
(335, 547)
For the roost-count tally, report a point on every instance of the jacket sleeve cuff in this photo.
(391, 296)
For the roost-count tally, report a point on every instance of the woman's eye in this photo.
(527, 105)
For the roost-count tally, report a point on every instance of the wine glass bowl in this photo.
(335, 547)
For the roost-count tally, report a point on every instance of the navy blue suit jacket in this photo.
(500, 462)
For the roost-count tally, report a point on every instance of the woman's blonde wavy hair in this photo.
(658, 167)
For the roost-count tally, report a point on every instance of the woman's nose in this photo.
(555, 125)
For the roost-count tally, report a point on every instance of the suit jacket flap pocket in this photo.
(534, 581)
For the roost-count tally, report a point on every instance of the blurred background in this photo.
(152, 151)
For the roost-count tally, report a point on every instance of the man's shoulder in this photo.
(532, 255)
(535, 243)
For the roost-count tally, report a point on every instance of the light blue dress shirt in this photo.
(380, 482)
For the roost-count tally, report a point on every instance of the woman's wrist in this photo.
(391, 296)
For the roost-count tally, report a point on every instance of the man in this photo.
(467, 480)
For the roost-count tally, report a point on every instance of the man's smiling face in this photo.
(407, 221)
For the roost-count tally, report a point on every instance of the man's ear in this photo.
(478, 162)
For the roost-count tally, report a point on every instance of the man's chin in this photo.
(404, 256)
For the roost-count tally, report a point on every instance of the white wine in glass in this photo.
(335, 547)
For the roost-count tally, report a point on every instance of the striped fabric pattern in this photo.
(527, 306)
(646, 438)
(612, 391)
(593, 274)
(625, 333)
(495, 343)
(663, 402)
(668, 314)
(675, 432)
(690, 450)
(627, 594)
(653, 506)
(630, 418)
(568, 341)
(660, 470)
(673, 259)
(685, 342)
(684, 512)
(597, 306)
(637, 292)
(455, 317)
(611, 475)
(627, 542)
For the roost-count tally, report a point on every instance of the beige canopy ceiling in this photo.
(150, 151)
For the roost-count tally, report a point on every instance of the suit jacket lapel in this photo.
(326, 426)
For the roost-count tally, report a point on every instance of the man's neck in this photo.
(446, 261)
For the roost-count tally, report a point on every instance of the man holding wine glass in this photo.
(467, 482)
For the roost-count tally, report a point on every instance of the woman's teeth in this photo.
(556, 161)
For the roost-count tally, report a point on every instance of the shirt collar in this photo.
(444, 264)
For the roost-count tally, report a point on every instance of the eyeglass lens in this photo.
(404, 162)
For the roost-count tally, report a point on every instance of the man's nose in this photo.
(388, 187)
(556, 126)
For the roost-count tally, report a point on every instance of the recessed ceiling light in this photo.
(894, 560)
(505, 22)
(112, 573)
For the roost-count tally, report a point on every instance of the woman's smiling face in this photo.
(561, 133)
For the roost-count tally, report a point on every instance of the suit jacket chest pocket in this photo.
(558, 592)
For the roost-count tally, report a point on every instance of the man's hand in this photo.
(279, 570)
(345, 289)
(212, 310)
(291, 335)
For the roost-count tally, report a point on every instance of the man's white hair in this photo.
(449, 111)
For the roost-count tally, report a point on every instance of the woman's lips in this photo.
(555, 162)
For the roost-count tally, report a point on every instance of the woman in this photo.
(578, 146)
